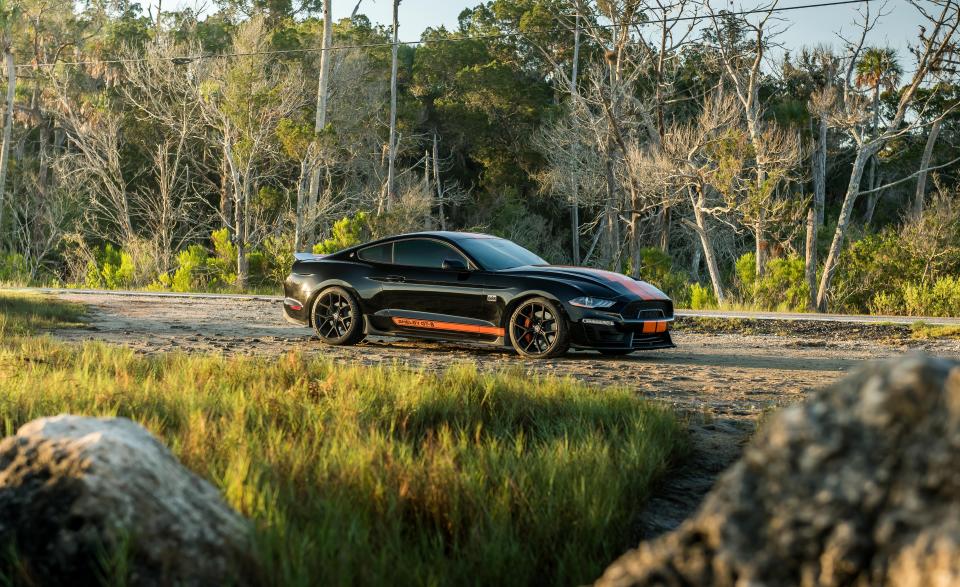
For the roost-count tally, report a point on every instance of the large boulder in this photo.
(81, 495)
(858, 486)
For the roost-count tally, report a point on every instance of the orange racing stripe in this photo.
(453, 326)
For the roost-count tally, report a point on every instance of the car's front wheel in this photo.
(336, 317)
(538, 330)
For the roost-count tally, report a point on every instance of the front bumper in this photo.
(634, 326)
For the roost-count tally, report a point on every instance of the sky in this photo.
(802, 27)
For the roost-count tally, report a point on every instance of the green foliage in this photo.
(702, 297)
(112, 269)
(347, 232)
(745, 268)
(367, 475)
(657, 268)
(14, 270)
(197, 270)
(782, 286)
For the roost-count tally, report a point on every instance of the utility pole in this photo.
(575, 196)
(321, 120)
(392, 153)
(7, 129)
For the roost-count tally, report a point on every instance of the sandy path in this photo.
(725, 380)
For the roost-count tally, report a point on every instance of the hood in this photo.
(616, 284)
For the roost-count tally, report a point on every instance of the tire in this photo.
(615, 352)
(336, 317)
(538, 329)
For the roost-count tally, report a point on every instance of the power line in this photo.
(184, 59)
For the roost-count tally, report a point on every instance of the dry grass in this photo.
(358, 475)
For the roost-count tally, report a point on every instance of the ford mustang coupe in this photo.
(465, 286)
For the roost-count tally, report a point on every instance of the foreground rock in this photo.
(858, 486)
(76, 493)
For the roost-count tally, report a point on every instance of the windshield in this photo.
(497, 253)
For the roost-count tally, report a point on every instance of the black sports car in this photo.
(458, 285)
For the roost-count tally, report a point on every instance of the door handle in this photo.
(394, 278)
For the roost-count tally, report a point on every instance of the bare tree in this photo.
(7, 128)
(313, 163)
(245, 100)
(935, 44)
(392, 147)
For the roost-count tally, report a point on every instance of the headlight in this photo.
(589, 302)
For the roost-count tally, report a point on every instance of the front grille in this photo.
(648, 310)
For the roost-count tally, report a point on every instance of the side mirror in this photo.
(454, 264)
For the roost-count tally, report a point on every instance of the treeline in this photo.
(668, 140)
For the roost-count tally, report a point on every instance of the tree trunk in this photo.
(815, 214)
(392, 154)
(436, 180)
(302, 187)
(703, 231)
(611, 236)
(320, 123)
(924, 166)
(575, 196)
(226, 210)
(7, 133)
(843, 222)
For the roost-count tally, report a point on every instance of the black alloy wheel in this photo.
(336, 317)
(538, 330)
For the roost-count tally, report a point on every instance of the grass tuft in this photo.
(363, 475)
(22, 314)
(922, 330)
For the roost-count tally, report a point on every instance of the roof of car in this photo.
(446, 234)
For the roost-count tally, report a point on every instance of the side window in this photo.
(377, 254)
(420, 252)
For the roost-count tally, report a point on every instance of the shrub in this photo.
(702, 298)
(14, 270)
(657, 268)
(782, 286)
(745, 268)
(939, 298)
(347, 232)
(112, 269)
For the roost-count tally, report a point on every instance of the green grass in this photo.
(922, 330)
(25, 313)
(361, 475)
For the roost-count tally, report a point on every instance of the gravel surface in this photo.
(724, 374)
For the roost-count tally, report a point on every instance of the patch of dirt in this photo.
(724, 374)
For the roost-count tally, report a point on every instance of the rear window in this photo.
(378, 253)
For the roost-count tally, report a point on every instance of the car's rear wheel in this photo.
(336, 317)
(538, 330)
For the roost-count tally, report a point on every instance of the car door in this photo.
(420, 295)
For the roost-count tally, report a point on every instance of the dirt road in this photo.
(723, 373)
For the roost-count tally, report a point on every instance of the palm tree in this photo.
(878, 67)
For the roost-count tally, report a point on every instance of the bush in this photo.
(939, 298)
(111, 269)
(702, 298)
(657, 268)
(347, 232)
(745, 269)
(14, 270)
(782, 286)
